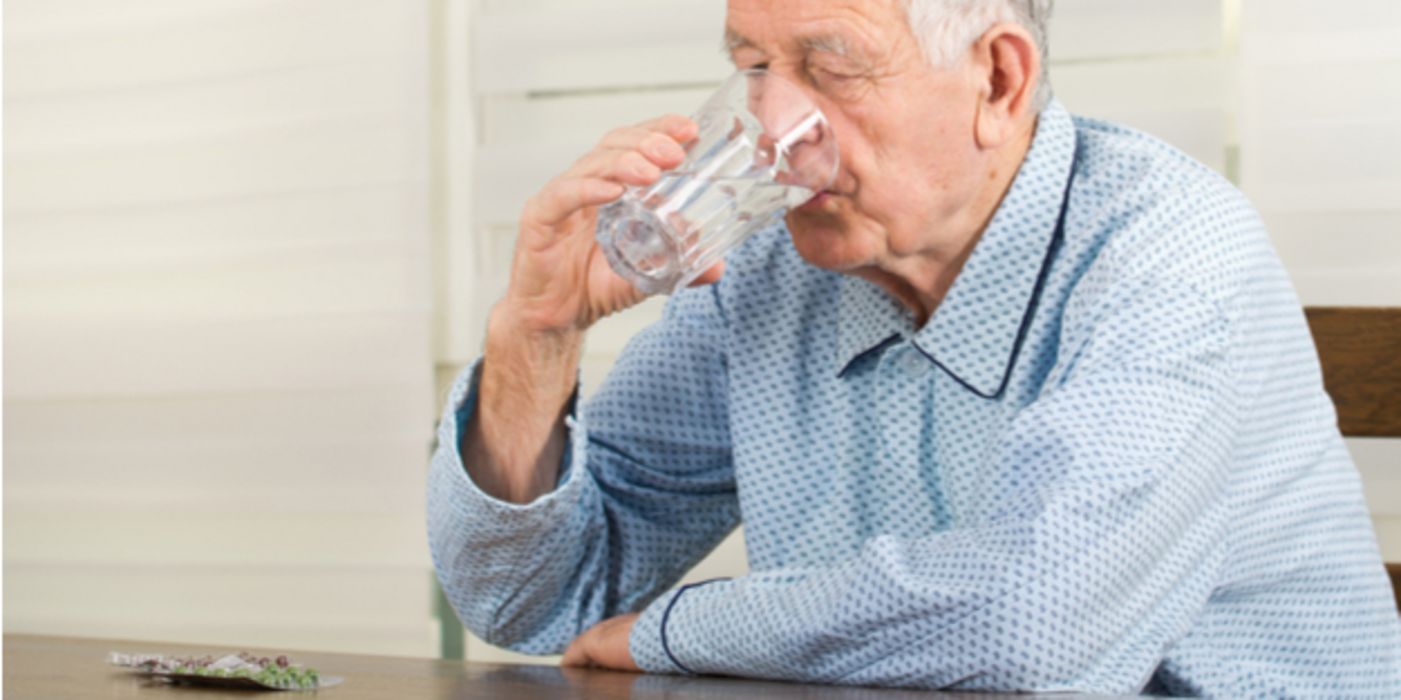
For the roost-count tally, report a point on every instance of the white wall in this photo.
(218, 380)
(1320, 146)
(550, 76)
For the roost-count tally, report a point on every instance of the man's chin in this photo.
(824, 246)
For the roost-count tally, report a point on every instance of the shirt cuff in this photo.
(455, 484)
(656, 641)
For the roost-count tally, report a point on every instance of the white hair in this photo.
(946, 28)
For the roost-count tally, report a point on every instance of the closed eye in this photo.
(825, 74)
(832, 80)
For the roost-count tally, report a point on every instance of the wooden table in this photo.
(66, 667)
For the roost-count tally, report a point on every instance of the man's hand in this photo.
(605, 645)
(561, 282)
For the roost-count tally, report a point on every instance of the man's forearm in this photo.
(515, 439)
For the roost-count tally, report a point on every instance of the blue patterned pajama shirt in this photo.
(1106, 463)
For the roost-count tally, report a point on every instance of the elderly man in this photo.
(1025, 401)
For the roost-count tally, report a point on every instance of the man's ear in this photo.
(1007, 68)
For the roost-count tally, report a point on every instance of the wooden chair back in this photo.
(1360, 349)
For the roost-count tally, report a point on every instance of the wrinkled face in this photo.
(909, 160)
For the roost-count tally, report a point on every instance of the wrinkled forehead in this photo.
(836, 26)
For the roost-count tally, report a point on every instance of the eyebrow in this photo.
(734, 41)
(826, 43)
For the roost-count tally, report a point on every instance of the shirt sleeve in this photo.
(646, 490)
(1109, 508)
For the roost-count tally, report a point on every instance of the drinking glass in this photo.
(763, 147)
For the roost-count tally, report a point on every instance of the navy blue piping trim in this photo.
(666, 615)
(1056, 239)
(893, 337)
(719, 308)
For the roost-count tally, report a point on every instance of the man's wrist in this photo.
(653, 642)
(645, 639)
(515, 439)
(541, 364)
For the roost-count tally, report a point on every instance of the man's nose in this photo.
(787, 115)
(796, 137)
(788, 126)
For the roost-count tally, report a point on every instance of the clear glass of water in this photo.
(763, 148)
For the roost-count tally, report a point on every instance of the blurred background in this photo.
(249, 242)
